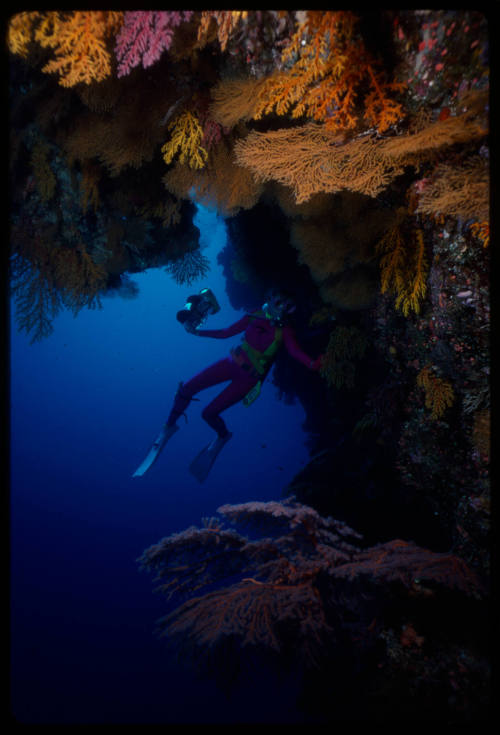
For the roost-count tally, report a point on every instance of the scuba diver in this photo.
(247, 366)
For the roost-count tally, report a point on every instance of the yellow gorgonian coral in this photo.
(481, 230)
(438, 392)
(403, 267)
(187, 135)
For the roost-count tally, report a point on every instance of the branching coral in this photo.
(221, 183)
(144, 36)
(438, 392)
(78, 278)
(234, 100)
(192, 266)
(168, 211)
(311, 159)
(226, 23)
(79, 43)
(406, 562)
(275, 588)
(458, 191)
(36, 299)
(328, 67)
(47, 277)
(20, 31)
(420, 144)
(345, 345)
(481, 230)
(128, 136)
(285, 582)
(404, 266)
(187, 135)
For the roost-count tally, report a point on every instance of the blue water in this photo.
(86, 403)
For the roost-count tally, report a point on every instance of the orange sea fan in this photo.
(20, 31)
(234, 100)
(437, 135)
(221, 184)
(126, 136)
(326, 69)
(312, 159)
(459, 191)
(79, 43)
(226, 20)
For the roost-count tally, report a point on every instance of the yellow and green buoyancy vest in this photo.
(262, 361)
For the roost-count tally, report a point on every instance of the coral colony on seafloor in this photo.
(363, 138)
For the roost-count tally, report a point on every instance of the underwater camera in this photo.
(197, 308)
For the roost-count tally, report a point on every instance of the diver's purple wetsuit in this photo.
(259, 333)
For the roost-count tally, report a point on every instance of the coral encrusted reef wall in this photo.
(348, 152)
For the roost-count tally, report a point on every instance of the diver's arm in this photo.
(295, 351)
(235, 328)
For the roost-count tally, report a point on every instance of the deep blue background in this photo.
(86, 403)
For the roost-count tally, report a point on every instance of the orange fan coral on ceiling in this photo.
(326, 71)
(311, 158)
(234, 100)
(79, 43)
(459, 191)
(227, 21)
(20, 32)
(221, 184)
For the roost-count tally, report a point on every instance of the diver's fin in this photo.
(202, 464)
(154, 452)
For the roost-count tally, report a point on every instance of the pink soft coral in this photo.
(144, 36)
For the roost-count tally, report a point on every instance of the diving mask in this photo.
(277, 307)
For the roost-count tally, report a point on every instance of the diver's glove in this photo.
(190, 328)
(316, 364)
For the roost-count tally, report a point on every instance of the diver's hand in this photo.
(190, 328)
(316, 364)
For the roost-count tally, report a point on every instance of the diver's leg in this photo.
(216, 373)
(233, 393)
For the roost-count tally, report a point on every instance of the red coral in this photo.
(144, 36)
(290, 584)
(405, 562)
